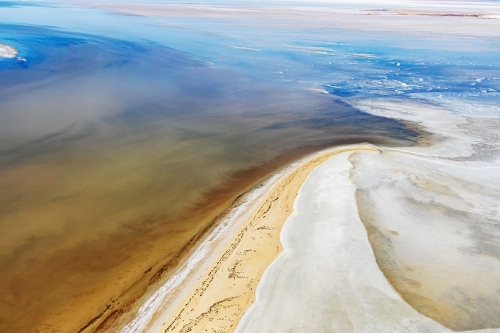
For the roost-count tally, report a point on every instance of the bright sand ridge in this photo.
(219, 299)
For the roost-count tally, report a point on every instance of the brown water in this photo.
(111, 167)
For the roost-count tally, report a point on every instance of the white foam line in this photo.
(242, 48)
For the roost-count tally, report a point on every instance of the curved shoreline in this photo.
(217, 297)
(227, 287)
(221, 297)
(336, 275)
(402, 247)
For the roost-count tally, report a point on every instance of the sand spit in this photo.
(158, 307)
(376, 239)
(7, 51)
(218, 299)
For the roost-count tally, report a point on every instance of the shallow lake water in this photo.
(122, 137)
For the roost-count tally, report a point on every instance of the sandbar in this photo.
(7, 51)
(219, 298)
(363, 238)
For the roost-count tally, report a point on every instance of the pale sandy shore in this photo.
(213, 294)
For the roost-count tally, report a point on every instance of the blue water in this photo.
(399, 67)
(113, 127)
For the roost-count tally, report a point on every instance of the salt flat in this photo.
(399, 240)
(327, 279)
(435, 230)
